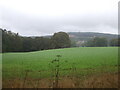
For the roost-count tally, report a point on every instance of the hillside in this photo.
(78, 38)
(88, 35)
(81, 37)
(84, 36)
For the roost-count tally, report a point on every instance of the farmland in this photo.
(77, 62)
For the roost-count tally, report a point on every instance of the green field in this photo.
(86, 60)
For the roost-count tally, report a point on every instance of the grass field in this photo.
(78, 62)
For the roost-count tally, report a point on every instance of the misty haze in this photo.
(59, 43)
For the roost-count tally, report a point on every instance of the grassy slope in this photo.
(83, 58)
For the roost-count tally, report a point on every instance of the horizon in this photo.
(57, 32)
(69, 32)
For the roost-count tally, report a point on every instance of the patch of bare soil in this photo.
(96, 81)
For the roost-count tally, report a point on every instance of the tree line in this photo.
(13, 42)
(102, 42)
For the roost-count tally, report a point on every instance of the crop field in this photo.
(74, 63)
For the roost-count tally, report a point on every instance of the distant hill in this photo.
(80, 37)
(89, 35)
(85, 35)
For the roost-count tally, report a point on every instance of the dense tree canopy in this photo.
(115, 42)
(12, 42)
(61, 40)
(97, 42)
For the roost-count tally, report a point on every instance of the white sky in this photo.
(42, 17)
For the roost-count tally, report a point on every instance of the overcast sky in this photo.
(44, 17)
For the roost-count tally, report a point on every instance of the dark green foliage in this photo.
(115, 42)
(28, 44)
(12, 42)
(73, 43)
(60, 40)
(97, 42)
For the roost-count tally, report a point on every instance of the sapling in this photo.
(55, 65)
